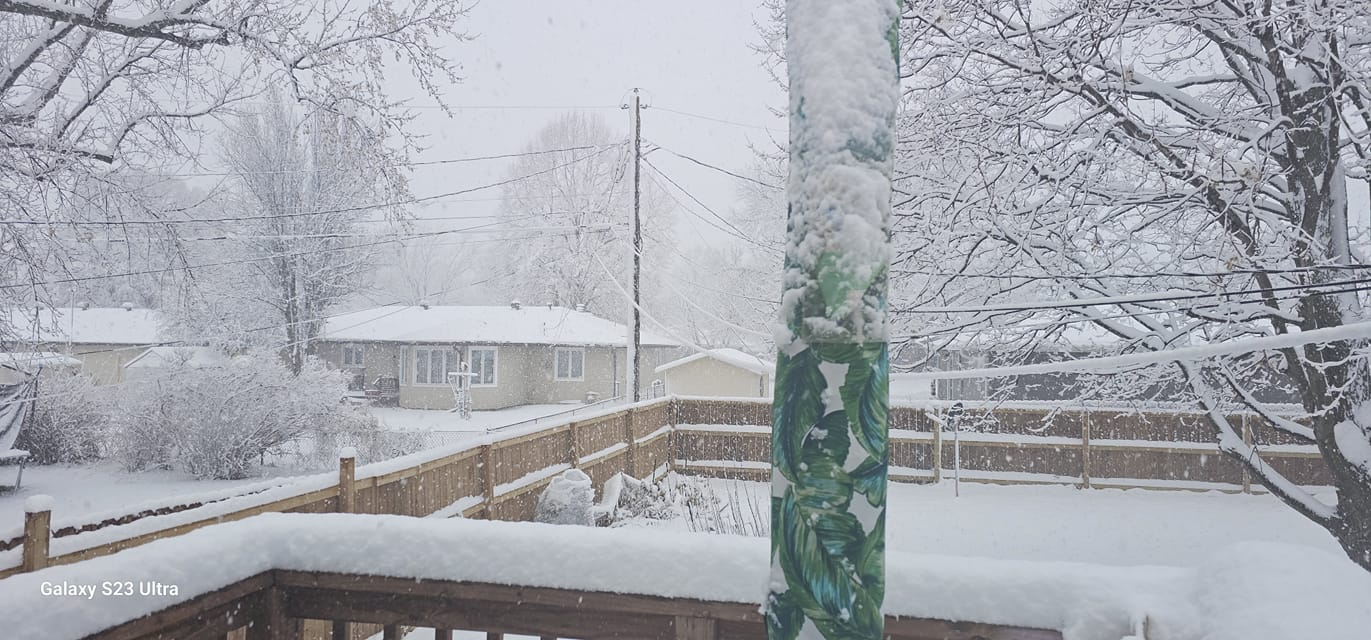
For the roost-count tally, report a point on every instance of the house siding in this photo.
(524, 373)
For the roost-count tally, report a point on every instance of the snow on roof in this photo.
(94, 325)
(482, 325)
(30, 361)
(196, 357)
(732, 357)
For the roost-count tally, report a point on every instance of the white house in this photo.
(103, 339)
(516, 354)
(719, 373)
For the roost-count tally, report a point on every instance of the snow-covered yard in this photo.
(104, 488)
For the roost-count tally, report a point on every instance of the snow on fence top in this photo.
(528, 324)
(94, 325)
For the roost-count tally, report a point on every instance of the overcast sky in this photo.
(531, 59)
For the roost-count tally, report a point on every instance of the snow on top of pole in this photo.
(841, 58)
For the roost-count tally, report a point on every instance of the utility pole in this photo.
(633, 348)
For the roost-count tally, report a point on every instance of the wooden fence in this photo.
(502, 477)
(1088, 447)
(498, 479)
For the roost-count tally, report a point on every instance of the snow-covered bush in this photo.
(70, 420)
(694, 503)
(364, 434)
(219, 422)
(567, 500)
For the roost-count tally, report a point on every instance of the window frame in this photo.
(557, 364)
(353, 348)
(476, 381)
(428, 351)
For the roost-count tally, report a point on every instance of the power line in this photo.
(716, 168)
(1158, 274)
(732, 229)
(1134, 299)
(502, 156)
(366, 207)
(714, 119)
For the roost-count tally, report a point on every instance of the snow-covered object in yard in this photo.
(1233, 597)
(528, 324)
(568, 499)
(94, 325)
(16, 402)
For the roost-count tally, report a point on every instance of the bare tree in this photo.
(567, 211)
(306, 183)
(1177, 172)
(92, 88)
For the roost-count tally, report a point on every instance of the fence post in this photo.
(347, 480)
(631, 464)
(488, 478)
(937, 448)
(1246, 440)
(1085, 449)
(37, 531)
(575, 448)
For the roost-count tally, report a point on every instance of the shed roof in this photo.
(195, 357)
(482, 325)
(731, 357)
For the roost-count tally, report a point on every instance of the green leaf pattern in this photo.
(828, 505)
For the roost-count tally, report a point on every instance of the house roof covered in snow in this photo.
(526, 324)
(195, 357)
(732, 357)
(93, 325)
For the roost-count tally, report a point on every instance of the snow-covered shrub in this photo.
(694, 503)
(219, 422)
(567, 500)
(70, 420)
(363, 433)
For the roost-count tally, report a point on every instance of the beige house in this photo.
(515, 355)
(103, 339)
(718, 373)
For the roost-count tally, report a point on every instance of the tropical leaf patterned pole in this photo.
(829, 421)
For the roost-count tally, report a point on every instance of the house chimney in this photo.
(84, 304)
(128, 306)
(515, 304)
(424, 304)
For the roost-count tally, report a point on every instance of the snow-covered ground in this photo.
(430, 420)
(101, 488)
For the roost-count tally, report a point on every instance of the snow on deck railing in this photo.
(626, 561)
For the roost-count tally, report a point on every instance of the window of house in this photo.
(569, 364)
(432, 364)
(483, 366)
(353, 355)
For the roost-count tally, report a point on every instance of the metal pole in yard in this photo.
(830, 413)
(953, 417)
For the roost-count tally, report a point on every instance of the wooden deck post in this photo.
(342, 630)
(488, 479)
(495, 636)
(347, 481)
(391, 632)
(37, 532)
(442, 634)
(937, 449)
(271, 622)
(688, 628)
(1247, 440)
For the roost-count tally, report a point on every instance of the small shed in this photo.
(156, 360)
(719, 373)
